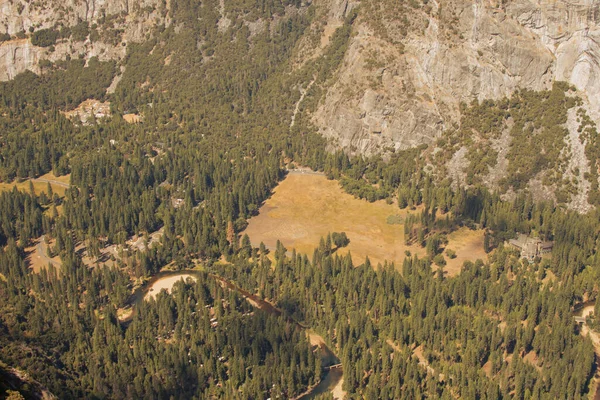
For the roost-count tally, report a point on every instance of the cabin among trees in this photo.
(531, 247)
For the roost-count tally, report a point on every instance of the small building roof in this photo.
(520, 242)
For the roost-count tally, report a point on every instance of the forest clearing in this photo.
(468, 245)
(59, 184)
(166, 283)
(37, 256)
(306, 207)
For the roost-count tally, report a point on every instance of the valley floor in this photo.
(307, 206)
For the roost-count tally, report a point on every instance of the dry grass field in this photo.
(305, 207)
(132, 118)
(468, 245)
(59, 184)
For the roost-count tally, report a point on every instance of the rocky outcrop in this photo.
(19, 55)
(134, 20)
(399, 86)
(407, 67)
(570, 31)
(462, 51)
(88, 112)
(467, 50)
(21, 15)
(403, 79)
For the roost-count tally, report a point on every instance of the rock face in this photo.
(16, 56)
(19, 55)
(131, 21)
(400, 90)
(20, 15)
(570, 31)
(402, 78)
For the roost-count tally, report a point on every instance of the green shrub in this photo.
(439, 260)
(44, 37)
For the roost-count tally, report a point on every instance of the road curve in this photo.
(42, 252)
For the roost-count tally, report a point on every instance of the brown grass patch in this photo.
(468, 245)
(304, 208)
(66, 179)
(132, 118)
(532, 359)
(487, 368)
(328, 31)
(393, 345)
(40, 185)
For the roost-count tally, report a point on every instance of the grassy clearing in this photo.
(305, 208)
(59, 185)
(39, 184)
(167, 284)
(468, 245)
(124, 313)
(132, 118)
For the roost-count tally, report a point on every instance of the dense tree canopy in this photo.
(214, 140)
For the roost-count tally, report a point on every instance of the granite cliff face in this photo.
(119, 22)
(570, 31)
(404, 73)
(401, 82)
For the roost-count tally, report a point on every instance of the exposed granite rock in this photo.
(416, 92)
(401, 89)
(401, 82)
(486, 52)
(138, 18)
(569, 29)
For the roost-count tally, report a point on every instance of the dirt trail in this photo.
(52, 182)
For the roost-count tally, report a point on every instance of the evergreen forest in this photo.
(214, 141)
